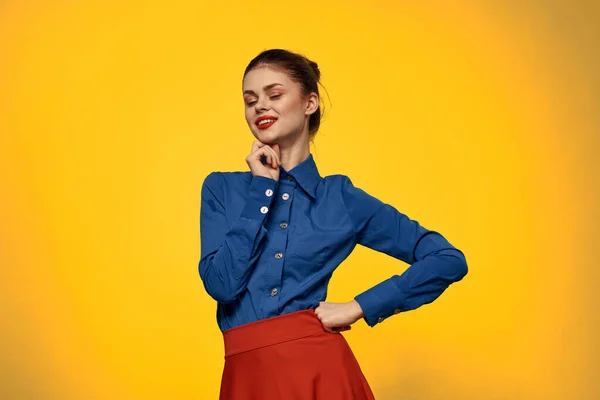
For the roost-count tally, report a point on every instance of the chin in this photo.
(267, 136)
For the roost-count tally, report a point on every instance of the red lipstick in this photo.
(266, 124)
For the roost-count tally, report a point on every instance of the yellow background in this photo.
(479, 120)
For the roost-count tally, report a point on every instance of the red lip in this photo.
(264, 117)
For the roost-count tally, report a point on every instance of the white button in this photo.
(269, 193)
(279, 255)
(274, 292)
(380, 320)
(264, 209)
(285, 196)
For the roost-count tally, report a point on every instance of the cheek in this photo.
(248, 116)
(291, 110)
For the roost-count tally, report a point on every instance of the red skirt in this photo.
(290, 357)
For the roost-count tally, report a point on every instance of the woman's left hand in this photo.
(337, 317)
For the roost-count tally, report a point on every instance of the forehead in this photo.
(262, 76)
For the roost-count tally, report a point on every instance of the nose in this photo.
(261, 105)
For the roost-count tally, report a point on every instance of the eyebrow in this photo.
(272, 85)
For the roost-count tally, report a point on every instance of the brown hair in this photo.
(300, 69)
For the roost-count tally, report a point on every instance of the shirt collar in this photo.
(306, 174)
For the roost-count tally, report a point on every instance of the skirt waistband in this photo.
(270, 331)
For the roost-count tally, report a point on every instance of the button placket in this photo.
(280, 210)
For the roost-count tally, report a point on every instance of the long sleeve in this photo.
(434, 262)
(228, 254)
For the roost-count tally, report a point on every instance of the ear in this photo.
(312, 103)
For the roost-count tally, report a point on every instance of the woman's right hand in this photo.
(254, 160)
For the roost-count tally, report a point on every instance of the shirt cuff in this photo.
(260, 196)
(380, 302)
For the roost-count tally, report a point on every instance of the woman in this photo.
(272, 237)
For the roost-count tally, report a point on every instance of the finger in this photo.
(276, 157)
(275, 162)
(276, 148)
(256, 145)
(260, 153)
(342, 329)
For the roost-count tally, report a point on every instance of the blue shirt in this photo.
(270, 247)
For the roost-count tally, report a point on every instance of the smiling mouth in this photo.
(265, 123)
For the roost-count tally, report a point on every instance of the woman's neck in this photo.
(292, 156)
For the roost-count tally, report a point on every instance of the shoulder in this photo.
(336, 181)
(343, 183)
(354, 197)
(222, 177)
(218, 181)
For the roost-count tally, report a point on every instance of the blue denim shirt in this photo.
(270, 247)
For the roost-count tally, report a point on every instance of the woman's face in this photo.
(276, 110)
